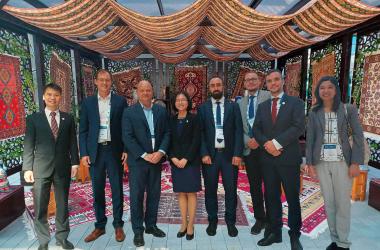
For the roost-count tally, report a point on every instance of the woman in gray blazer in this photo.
(331, 158)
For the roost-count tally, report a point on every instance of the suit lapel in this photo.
(155, 113)
(267, 106)
(95, 103)
(46, 124)
(321, 119)
(244, 104)
(341, 116)
(62, 122)
(282, 110)
(259, 98)
(113, 105)
(140, 112)
(185, 126)
(227, 109)
(210, 112)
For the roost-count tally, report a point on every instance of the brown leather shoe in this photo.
(119, 234)
(94, 234)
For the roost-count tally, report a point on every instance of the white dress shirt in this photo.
(214, 105)
(251, 121)
(105, 116)
(277, 145)
(57, 118)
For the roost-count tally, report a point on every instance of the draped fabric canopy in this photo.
(231, 28)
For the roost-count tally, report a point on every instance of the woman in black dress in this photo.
(185, 161)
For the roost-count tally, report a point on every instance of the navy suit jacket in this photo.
(136, 133)
(289, 126)
(89, 126)
(232, 129)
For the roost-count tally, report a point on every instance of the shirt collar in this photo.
(255, 95)
(48, 111)
(221, 100)
(104, 99)
(279, 96)
(143, 107)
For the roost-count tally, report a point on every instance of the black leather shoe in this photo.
(232, 230)
(342, 248)
(65, 244)
(138, 240)
(211, 229)
(295, 243)
(256, 229)
(181, 234)
(43, 247)
(272, 238)
(190, 236)
(155, 231)
(332, 246)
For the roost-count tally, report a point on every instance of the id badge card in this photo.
(103, 136)
(219, 135)
(330, 152)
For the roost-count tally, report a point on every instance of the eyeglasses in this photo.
(251, 79)
(181, 100)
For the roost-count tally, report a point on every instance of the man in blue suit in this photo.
(101, 149)
(279, 123)
(146, 136)
(221, 151)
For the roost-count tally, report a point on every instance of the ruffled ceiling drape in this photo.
(234, 29)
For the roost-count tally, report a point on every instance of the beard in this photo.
(217, 95)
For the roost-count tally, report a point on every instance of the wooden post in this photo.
(345, 66)
(37, 64)
(304, 73)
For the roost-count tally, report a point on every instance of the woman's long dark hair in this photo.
(337, 100)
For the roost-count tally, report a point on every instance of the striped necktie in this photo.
(54, 125)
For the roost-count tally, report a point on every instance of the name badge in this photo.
(153, 143)
(219, 136)
(330, 152)
(103, 135)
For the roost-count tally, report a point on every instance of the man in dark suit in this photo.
(101, 149)
(146, 136)
(278, 125)
(51, 157)
(248, 107)
(221, 150)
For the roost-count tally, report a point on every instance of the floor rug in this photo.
(168, 211)
(314, 220)
(80, 204)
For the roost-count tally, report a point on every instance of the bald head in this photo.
(145, 92)
(143, 83)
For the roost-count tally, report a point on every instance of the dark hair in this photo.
(216, 75)
(189, 102)
(273, 71)
(53, 86)
(102, 71)
(337, 100)
(251, 72)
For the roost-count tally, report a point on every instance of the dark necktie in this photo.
(54, 125)
(251, 108)
(274, 109)
(218, 114)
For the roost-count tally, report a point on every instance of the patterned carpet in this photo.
(80, 205)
